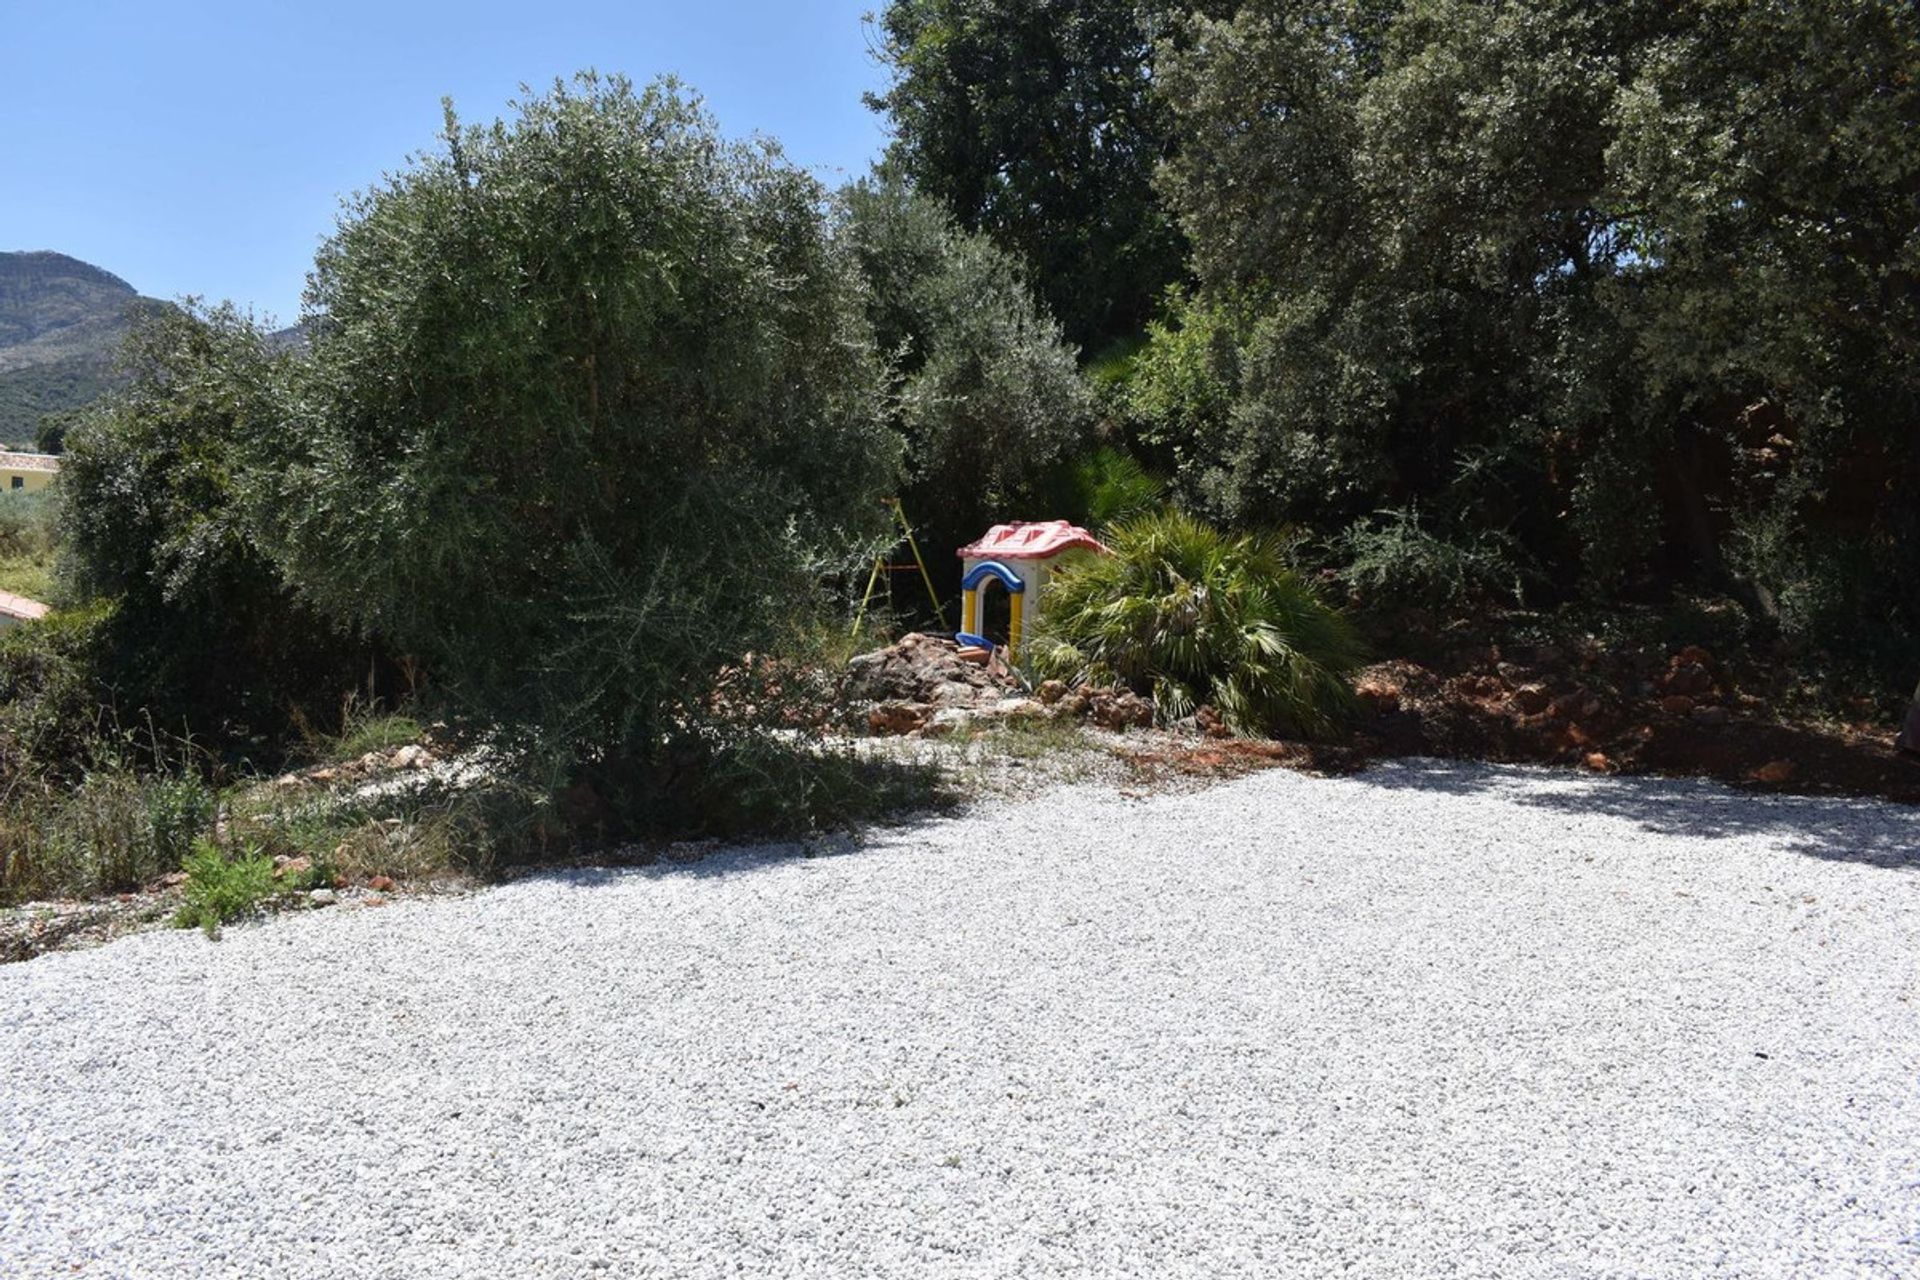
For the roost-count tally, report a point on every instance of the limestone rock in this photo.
(927, 670)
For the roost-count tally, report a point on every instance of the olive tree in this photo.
(159, 515)
(592, 394)
(983, 388)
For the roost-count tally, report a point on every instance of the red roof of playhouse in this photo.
(1031, 540)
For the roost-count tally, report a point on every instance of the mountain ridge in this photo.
(62, 321)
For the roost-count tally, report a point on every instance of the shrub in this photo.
(102, 835)
(52, 694)
(160, 515)
(1190, 615)
(1395, 555)
(1180, 390)
(179, 811)
(113, 831)
(221, 889)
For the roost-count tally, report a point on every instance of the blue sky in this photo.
(203, 147)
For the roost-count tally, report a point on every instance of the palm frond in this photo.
(1188, 614)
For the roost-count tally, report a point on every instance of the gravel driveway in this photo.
(1433, 1020)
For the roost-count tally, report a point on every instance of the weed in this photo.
(1030, 738)
(364, 727)
(113, 831)
(221, 888)
(179, 811)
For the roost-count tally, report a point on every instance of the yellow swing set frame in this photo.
(881, 566)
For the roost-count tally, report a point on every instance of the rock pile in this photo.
(409, 757)
(929, 671)
(1605, 710)
(928, 684)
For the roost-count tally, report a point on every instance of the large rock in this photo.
(1532, 699)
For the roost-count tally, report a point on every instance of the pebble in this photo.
(1432, 1019)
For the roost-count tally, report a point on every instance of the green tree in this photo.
(1035, 122)
(984, 390)
(1407, 203)
(1768, 154)
(1632, 283)
(593, 395)
(50, 436)
(158, 514)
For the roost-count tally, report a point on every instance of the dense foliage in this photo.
(162, 505)
(592, 397)
(983, 392)
(1635, 285)
(1193, 617)
(1036, 123)
(1554, 301)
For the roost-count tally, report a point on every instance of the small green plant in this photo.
(221, 888)
(1395, 555)
(1189, 615)
(375, 732)
(179, 812)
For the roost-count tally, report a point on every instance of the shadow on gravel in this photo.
(1875, 833)
(724, 859)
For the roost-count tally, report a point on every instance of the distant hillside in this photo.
(61, 322)
(295, 337)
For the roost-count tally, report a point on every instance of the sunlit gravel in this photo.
(1433, 1020)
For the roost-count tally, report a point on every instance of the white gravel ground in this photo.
(1435, 1020)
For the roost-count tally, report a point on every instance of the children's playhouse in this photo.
(1019, 558)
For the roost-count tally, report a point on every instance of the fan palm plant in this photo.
(1189, 615)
